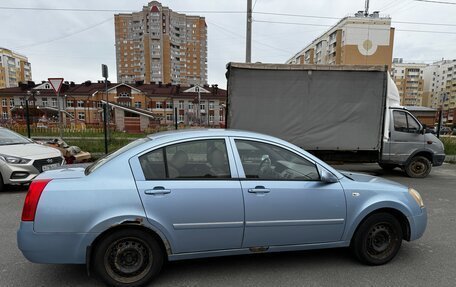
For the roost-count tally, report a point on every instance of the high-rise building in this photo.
(362, 39)
(409, 81)
(14, 68)
(440, 88)
(159, 45)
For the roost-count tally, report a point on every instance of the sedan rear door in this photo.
(190, 189)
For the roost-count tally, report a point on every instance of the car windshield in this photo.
(103, 160)
(8, 137)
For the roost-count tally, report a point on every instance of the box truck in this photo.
(338, 113)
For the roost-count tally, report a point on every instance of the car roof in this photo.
(186, 133)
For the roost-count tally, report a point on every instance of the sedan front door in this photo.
(285, 201)
(188, 188)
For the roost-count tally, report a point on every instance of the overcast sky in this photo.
(74, 44)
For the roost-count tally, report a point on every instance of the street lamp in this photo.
(31, 96)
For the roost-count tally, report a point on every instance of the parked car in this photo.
(445, 131)
(203, 193)
(21, 159)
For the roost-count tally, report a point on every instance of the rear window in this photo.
(101, 161)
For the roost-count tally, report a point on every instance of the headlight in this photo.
(416, 195)
(13, 159)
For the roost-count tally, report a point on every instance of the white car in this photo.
(21, 159)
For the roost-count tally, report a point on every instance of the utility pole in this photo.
(248, 44)
(104, 71)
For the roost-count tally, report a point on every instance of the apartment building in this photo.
(157, 44)
(410, 82)
(440, 88)
(14, 68)
(362, 39)
(133, 107)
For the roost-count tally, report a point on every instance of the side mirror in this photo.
(326, 176)
(424, 129)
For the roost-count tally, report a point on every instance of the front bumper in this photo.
(54, 247)
(438, 159)
(418, 224)
(23, 173)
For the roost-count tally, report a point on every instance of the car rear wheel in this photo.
(128, 257)
(418, 167)
(378, 239)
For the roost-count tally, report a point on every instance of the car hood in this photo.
(30, 151)
(361, 177)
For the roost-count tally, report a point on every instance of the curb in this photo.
(450, 158)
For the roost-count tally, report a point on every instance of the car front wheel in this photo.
(418, 167)
(128, 257)
(378, 239)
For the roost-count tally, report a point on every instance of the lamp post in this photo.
(31, 95)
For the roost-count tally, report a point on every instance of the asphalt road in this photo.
(429, 261)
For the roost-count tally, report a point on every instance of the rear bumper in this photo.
(438, 159)
(55, 248)
(418, 224)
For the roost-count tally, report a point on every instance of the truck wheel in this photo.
(377, 240)
(418, 167)
(1, 183)
(128, 257)
(387, 166)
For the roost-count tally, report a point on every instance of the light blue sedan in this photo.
(202, 193)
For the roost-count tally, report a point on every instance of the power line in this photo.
(438, 2)
(64, 36)
(369, 28)
(254, 4)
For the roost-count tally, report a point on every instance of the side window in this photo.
(270, 162)
(153, 165)
(400, 121)
(413, 126)
(404, 122)
(189, 160)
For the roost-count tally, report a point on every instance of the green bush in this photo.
(450, 145)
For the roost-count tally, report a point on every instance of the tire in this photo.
(418, 167)
(2, 186)
(378, 239)
(387, 166)
(128, 257)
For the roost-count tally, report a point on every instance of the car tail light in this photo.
(32, 198)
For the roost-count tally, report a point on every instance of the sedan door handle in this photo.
(259, 189)
(158, 190)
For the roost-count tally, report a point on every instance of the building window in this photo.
(169, 117)
(211, 105)
(169, 105)
(5, 115)
(81, 116)
(124, 95)
(159, 105)
(211, 118)
(54, 102)
(202, 106)
(4, 103)
(190, 106)
(44, 102)
(69, 104)
(181, 105)
(181, 118)
(80, 104)
(138, 105)
(221, 117)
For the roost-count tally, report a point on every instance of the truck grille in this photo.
(38, 164)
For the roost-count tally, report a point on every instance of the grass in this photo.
(450, 145)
